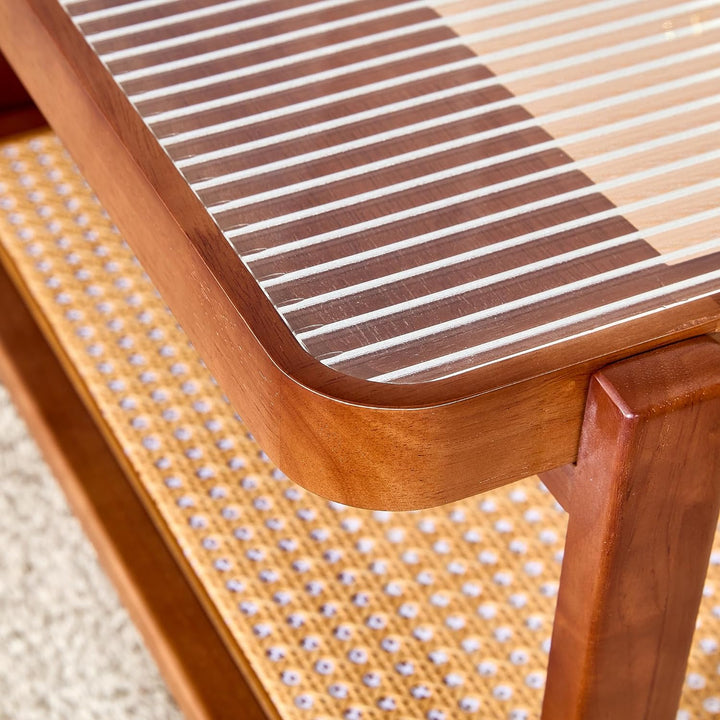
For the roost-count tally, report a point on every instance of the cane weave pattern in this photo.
(342, 613)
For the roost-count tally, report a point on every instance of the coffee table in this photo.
(425, 227)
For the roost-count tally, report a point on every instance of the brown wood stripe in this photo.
(83, 6)
(445, 310)
(417, 287)
(322, 89)
(293, 72)
(268, 127)
(426, 222)
(390, 174)
(333, 137)
(177, 29)
(443, 251)
(328, 220)
(472, 335)
(132, 16)
(236, 39)
(240, 60)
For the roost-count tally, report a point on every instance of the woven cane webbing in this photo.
(342, 613)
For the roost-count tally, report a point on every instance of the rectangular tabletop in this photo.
(421, 224)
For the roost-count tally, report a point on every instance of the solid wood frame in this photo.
(643, 507)
(363, 443)
(202, 665)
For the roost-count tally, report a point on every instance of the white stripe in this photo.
(116, 10)
(483, 191)
(364, 65)
(290, 109)
(324, 50)
(523, 73)
(486, 219)
(155, 23)
(554, 143)
(544, 93)
(614, 26)
(334, 97)
(512, 242)
(557, 325)
(268, 41)
(511, 274)
(537, 299)
(574, 111)
(476, 253)
(614, 323)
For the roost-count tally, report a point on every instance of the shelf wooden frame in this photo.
(204, 668)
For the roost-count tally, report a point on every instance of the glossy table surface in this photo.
(421, 188)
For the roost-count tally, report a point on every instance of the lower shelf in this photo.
(220, 558)
(200, 671)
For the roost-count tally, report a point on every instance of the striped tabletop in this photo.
(424, 187)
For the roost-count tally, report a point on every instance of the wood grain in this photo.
(196, 664)
(643, 511)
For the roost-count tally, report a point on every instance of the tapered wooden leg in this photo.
(643, 510)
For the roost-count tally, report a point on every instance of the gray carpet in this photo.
(67, 646)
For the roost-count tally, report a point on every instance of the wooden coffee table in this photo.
(428, 227)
